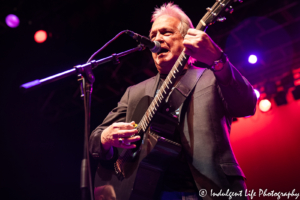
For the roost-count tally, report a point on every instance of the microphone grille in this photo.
(156, 47)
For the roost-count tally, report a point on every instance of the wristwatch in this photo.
(219, 64)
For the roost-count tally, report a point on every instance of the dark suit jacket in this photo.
(205, 122)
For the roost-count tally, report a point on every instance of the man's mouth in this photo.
(162, 50)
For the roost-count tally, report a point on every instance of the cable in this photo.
(89, 60)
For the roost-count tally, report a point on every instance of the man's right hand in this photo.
(119, 135)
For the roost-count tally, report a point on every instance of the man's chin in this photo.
(163, 61)
(164, 68)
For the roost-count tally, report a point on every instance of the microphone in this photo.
(153, 46)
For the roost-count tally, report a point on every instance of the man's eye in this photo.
(152, 36)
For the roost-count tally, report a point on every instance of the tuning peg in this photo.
(208, 9)
(221, 19)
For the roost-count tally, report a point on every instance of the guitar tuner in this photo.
(208, 9)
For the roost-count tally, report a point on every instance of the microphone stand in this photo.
(86, 78)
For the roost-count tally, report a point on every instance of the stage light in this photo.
(280, 98)
(252, 59)
(296, 92)
(265, 105)
(297, 82)
(40, 36)
(12, 21)
(257, 93)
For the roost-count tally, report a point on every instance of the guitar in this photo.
(136, 173)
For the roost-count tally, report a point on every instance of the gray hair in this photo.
(174, 11)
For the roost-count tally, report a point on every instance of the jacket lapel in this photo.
(151, 88)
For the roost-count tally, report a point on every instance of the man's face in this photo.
(165, 30)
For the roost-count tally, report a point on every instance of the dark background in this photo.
(42, 130)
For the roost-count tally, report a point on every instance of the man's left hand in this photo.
(201, 47)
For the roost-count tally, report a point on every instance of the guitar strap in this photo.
(184, 87)
(164, 121)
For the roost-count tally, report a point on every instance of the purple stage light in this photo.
(252, 59)
(12, 21)
(257, 93)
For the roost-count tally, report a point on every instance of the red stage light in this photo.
(40, 36)
(265, 105)
(297, 82)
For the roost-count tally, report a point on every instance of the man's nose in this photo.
(159, 37)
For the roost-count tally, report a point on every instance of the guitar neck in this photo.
(175, 72)
(163, 92)
(166, 86)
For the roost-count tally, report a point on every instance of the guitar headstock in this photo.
(216, 13)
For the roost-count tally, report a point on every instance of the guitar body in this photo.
(143, 172)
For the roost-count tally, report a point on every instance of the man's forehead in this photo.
(165, 21)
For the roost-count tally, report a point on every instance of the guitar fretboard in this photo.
(163, 92)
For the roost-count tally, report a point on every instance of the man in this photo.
(206, 161)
